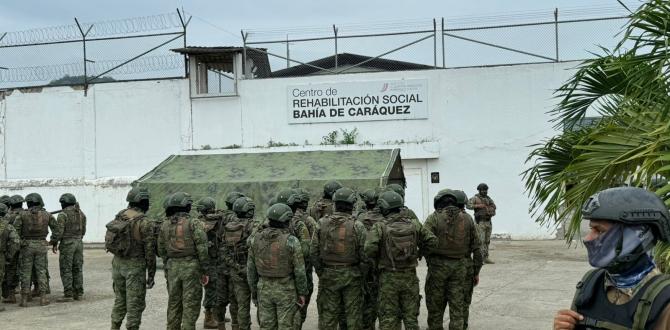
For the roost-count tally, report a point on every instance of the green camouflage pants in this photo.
(242, 296)
(310, 286)
(11, 279)
(2, 269)
(469, 289)
(399, 300)
(485, 228)
(71, 262)
(445, 285)
(34, 254)
(370, 299)
(185, 293)
(129, 283)
(210, 300)
(225, 297)
(277, 303)
(340, 289)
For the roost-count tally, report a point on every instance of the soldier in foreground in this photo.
(447, 282)
(337, 256)
(396, 243)
(276, 272)
(234, 253)
(9, 243)
(71, 228)
(473, 261)
(368, 218)
(12, 280)
(485, 209)
(33, 227)
(182, 244)
(625, 290)
(130, 237)
(213, 223)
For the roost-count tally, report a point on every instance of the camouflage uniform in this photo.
(11, 280)
(399, 297)
(132, 272)
(448, 280)
(213, 223)
(276, 273)
(9, 243)
(337, 255)
(371, 277)
(485, 209)
(33, 227)
(71, 227)
(322, 208)
(225, 296)
(183, 246)
(312, 226)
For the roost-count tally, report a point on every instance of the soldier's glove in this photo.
(150, 282)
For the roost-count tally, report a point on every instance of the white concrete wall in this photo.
(481, 121)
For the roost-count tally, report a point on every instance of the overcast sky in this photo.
(232, 16)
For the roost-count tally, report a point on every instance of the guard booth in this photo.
(261, 175)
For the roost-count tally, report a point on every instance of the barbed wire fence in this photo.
(87, 53)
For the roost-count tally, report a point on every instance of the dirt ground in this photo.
(522, 290)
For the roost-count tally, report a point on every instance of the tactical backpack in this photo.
(400, 244)
(338, 240)
(453, 233)
(235, 236)
(118, 238)
(273, 259)
(35, 224)
(180, 237)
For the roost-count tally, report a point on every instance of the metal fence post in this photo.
(556, 31)
(183, 25)
(83, 40)
(244, 53)
(288, 54)
(335, 32)
(443, 54)
(434, 43)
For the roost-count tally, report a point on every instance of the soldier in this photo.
(485, 209)
(401, 191)
(447, 262)
(213, 223)
(9, 242)
(71, 228)
(337, 256)
(226, 297)
(276, 273)
(11, 281)
(296, 226)
(324, 206)
(397, 243)
(130, 237)
(4, 199)
(33, 227)
(234, 252)
(368, 218)
(625, 290)
(182, 244)
(471, 280)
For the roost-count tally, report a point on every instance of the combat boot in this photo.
(78, 297)
(210, 322)
(11, 299)
(24, 300)
(43, 299)
(234, 327)
(35, 292)
(222, 326)
(64, 299)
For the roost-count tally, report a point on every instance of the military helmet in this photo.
(370, 196)
(4, 199)
(482, 186)
(67, 198)
(16, 199)
(232, 196)
(180, 199)
(34, 198)
(283, 196)
(390, 200)
(272, 201)
(137, 194)
(397, 188)
(299, 196)
(205, 204)
(243, 205)
(3, 209)
(461, 197)
(444, 193)
(331, 187)
(344, 195)
(631, 206)
(280, 213)
(166, 199)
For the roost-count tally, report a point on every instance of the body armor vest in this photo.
(180, 242)
(453, 233)
(337, 241)
(35, 224)
(399, 246)
(370, 217)
(74, 223)
(136, 249)
(273, 258)
(235, 237)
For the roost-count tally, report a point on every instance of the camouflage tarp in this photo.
(261, 175)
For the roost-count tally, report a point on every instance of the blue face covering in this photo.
(633, 276)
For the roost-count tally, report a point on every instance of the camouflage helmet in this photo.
(397, 188)
(243, 205)
(3, 209)
(344, 195)
(482, 186)
(283, 196)
(370, 196)
(137, 194)
(205, 204)
(390, 200)
(331, 187)
(34, 198)
(4, 199)
(180, 199)
(280, 213)
(445, 193)
(461, 197)
(231, 197)
(299, 196)
(16, 199)
(631, 206)
(67, 198)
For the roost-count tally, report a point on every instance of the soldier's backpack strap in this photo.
(646, 303)
(586, 287)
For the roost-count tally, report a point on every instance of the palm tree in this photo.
(629, 88)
